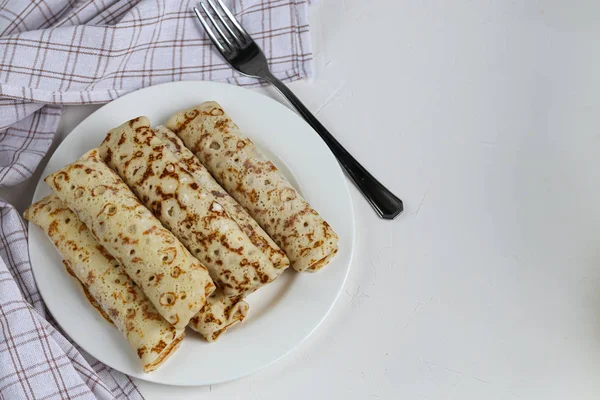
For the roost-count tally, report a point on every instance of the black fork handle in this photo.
(385, 203)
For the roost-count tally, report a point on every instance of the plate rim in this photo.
(71, 138)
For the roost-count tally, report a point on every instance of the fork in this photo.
(244, 55)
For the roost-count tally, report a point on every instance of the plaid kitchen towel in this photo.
(55, 52)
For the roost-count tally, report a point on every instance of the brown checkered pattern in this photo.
(55, 52)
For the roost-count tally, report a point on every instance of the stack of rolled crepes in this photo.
(158, 244)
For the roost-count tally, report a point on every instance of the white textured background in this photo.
(484, 117)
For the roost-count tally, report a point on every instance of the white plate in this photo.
(283, 313)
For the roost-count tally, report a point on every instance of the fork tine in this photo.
(225, 24)
(217, 27)
(209, 31)
(245, 34)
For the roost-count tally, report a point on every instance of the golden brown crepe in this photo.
(106, 283)
(250, 227)
(176, 283)
(80, 284)
(235, 162)
(193, 214)
(219, 314)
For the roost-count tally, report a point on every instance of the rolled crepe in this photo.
(106, 283)
(250, 227)
(219, 314)
(174, 281)
(194, 215)
(235, 162)
(83, 287)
